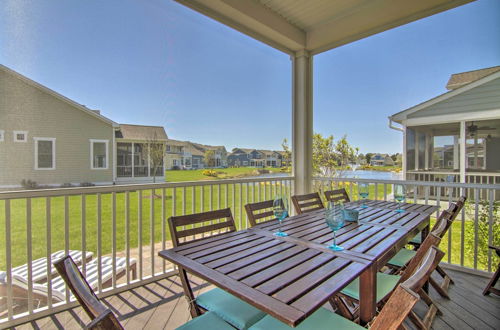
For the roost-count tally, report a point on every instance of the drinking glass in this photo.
(334, 220)
(363, 191)
(399, 196)
(280, 210)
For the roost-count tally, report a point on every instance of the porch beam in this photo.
(302, 121)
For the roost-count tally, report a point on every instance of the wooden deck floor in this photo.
(161, 305)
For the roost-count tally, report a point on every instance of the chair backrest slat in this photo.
(405, 295)
(307, 203)
(200, 224)
(337, 195)
(260, 212)
(103, 317)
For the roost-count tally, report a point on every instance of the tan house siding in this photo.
(24, 107)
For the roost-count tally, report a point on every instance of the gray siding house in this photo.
(456, 135)
(52, 140)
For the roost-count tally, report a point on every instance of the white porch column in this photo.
(463, 156)
(427, 147)
(302, 121)
(456, 157)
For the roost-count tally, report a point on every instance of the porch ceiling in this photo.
(316, 25)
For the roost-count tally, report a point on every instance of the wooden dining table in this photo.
(291, 277)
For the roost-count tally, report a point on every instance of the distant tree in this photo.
(287, 154)
(394, 157)
(209, 158)
(399, 160)
(330, 157)
(156, 153)
(369, 157)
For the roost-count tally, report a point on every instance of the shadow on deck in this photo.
(161, 305)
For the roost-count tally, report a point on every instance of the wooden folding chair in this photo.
(337, 195)
(307, 203)
(391, 317)
(185, 229)
(260, 212)
(347, 301)
(102, 317)
(490, 288)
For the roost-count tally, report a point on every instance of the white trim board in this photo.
(453, 118)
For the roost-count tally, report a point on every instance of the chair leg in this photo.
(438, 288)
(342, 307)
(490, 287)
(444, 274)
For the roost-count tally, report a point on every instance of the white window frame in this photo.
(20, 132)
(2, 135)
(53, 140)
(92, 141)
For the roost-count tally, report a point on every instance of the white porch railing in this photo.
(130, 221)
(126, 221)
(466, 244)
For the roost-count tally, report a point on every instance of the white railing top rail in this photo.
(55, 192)
(452, 173)
(414, 183)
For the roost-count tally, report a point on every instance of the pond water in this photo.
(376, 175)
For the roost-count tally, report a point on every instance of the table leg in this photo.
(188, 292)
(368, 295)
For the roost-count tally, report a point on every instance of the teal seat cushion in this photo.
(322, 319)
(231, 309)
(417, 239)
(207, 321)
(385, 284)
(402, 257)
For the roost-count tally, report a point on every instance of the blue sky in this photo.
(156, 62)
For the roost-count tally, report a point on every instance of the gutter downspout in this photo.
(403, 130)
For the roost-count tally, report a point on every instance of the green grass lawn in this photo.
(141, 223)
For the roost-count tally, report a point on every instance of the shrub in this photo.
(175, 167)
(28, 184)
(66, 185)
(209, 173)
(87, 184)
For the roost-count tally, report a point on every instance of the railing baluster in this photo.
(83, 207)
(48, 220)
(66, 236)
(490, 225)
(163, 228)
(127, 234)
(113, 238)
(476, 224)
(99, 243)
(193, 200)
(218, 197)
(246, 202)
(8, 259)
(226, 204)
(210, 197)
(152, 230)
(139, 233)
(29, 254)
(385, 192)
(241, 210)
(376, 191)
(202, 198)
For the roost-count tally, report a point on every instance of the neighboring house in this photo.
(52, 140)
(381, 160)
(456, 135)
(134, 161)
(254, 158)
(188, 155)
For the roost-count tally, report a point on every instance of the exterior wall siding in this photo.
(481, 98)
(27, 108)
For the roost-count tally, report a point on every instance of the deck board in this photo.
(161, 305)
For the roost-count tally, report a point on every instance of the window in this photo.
(99, 154)
(20, 136)
(2, 134)
(124, 160)
(45, 153)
